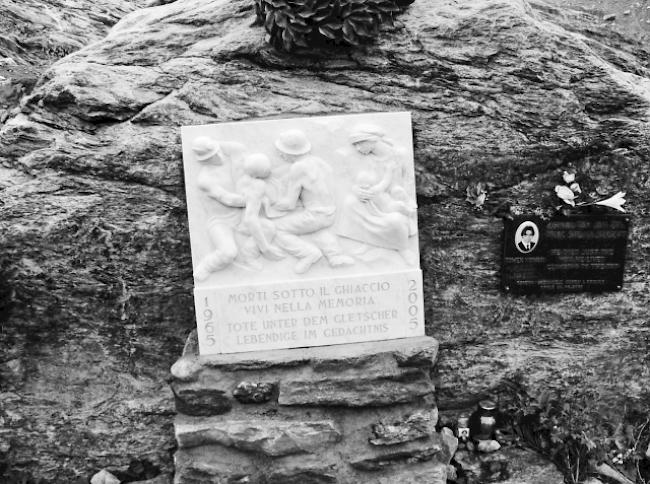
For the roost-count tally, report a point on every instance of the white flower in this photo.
(568, 177)
(615, 201)
(575, 188)
(566, 194)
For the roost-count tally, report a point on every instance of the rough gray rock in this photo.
(272, 438)
(320, 359)
(161, 479)
(104, 477)
(200, 401)
(302, 474)
(213, 464)
(35, 32)
(93, 230)
(249, 392)
(342, 375)
(450, 440)
(417, 426)
(12, 374)
(357, 389)
(430, 473)
(411, 452)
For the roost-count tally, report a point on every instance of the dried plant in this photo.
(292, 24)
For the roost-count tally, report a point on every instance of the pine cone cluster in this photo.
(292, 24)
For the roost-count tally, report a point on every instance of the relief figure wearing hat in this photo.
(379, 211)
(220, 164)
(307, 207)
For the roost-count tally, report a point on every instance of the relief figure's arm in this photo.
(223, 196)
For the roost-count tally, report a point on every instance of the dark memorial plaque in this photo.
(571, 253)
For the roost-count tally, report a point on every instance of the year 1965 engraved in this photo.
(208, 324)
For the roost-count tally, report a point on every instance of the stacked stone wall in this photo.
(358, 413)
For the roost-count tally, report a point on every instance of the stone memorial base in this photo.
(352, 413)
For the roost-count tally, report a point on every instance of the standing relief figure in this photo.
(307, 207)
(379, 211)
(224, 208)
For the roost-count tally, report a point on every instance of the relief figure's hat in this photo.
(365, 132)
(293, 142)
(204, 148)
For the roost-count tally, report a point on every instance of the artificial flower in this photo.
(566, 194)
(616, 202)
(568, 177)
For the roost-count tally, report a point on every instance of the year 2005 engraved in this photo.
(413, 304)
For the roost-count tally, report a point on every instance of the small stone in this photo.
(496, 468)
(627, 12)
(104, 477)
(610, 17)
(487, 446)
(5, 445)
(450, 440)
(249, 392)
(12, 373)
(486, 467)
(505, 437)
(468, 462)
(452, 473)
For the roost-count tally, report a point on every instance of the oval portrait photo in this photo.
(526, 237)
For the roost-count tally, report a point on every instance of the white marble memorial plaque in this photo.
(303, 231)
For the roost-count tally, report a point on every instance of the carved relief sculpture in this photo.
(254, 189)
(378, 212)
(303, 222)
(309, 205)
(222, 204)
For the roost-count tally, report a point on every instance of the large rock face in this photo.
(93, 230)
(35, 33)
